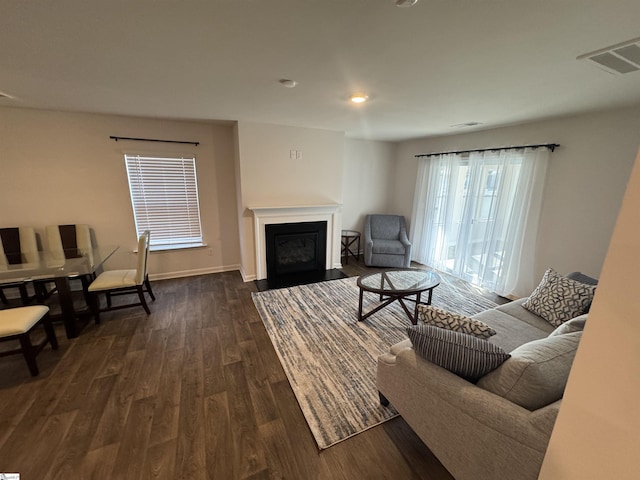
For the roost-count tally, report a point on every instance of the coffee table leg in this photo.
(415, 314)
(360, 306)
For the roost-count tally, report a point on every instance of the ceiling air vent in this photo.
(621, 58)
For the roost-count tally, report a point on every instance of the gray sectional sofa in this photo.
(497, 427)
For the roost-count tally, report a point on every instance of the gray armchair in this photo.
(385, 241)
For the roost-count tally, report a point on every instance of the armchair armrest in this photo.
(403, 238)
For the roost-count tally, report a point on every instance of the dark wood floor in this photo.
(193, 391)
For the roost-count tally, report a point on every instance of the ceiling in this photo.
(425, 68)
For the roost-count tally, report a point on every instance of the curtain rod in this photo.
(152, 140)
(550, 146)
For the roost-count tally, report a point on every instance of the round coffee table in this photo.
(398, 284)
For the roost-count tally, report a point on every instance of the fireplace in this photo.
(328, 256)
(294, 249)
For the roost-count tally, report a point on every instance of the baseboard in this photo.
(247, 278)
(193, 273)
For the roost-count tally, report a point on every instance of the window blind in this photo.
(164, 197)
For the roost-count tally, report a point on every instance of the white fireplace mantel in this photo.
(296, 214)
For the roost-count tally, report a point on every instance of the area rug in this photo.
(330, 358)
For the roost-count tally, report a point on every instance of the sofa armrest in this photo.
(482, 406)
(474, 433)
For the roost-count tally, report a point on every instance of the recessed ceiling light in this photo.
(405, 3)
(285, 82)
(359, 98)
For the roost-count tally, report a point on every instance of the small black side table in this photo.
(349, 237)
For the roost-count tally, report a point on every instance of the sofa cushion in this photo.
(536, 373)
(511, 333)
(467, 356)
(558, 299)
(574, 325)
(453, 321)
(517, 311)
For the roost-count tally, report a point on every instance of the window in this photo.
(475, 214)
(164, 197)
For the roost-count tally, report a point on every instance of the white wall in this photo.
(268, 177)
(596, 435)
(585, 183)
(59, 168)
(368, 170)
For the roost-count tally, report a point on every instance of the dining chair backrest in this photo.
(68, 240)
(143, 253)
(18, 245)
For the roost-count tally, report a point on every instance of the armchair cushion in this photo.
(394, 247)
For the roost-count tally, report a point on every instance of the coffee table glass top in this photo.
(400, 280)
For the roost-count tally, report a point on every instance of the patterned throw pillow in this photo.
(558, 299)
(452, 321)
(467, 356)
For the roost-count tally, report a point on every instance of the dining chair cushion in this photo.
(113, 279)
(16, 321)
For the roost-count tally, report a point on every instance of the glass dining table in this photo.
(60, 267)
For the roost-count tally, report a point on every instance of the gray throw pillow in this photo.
(467, 356)
(453, 321)
(537, 372)
(558, 299)
(574, 325)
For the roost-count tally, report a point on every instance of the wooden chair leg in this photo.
(108, 299)
(3, 298)
(94, 305)
(147, 284)
(29, 353)
(24, 295)
(51, 333)
(86, 281)
(143, 300)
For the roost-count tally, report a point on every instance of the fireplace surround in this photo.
(263, 216)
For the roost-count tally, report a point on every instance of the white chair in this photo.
(18, 245)
(66, 241)
(18, 323)
(120, 282)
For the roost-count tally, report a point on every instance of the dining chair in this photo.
(64, 242)
(18, 324)
(18, 245)
(124, 282)
(68, 241)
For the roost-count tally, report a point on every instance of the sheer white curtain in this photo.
(476, 216)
